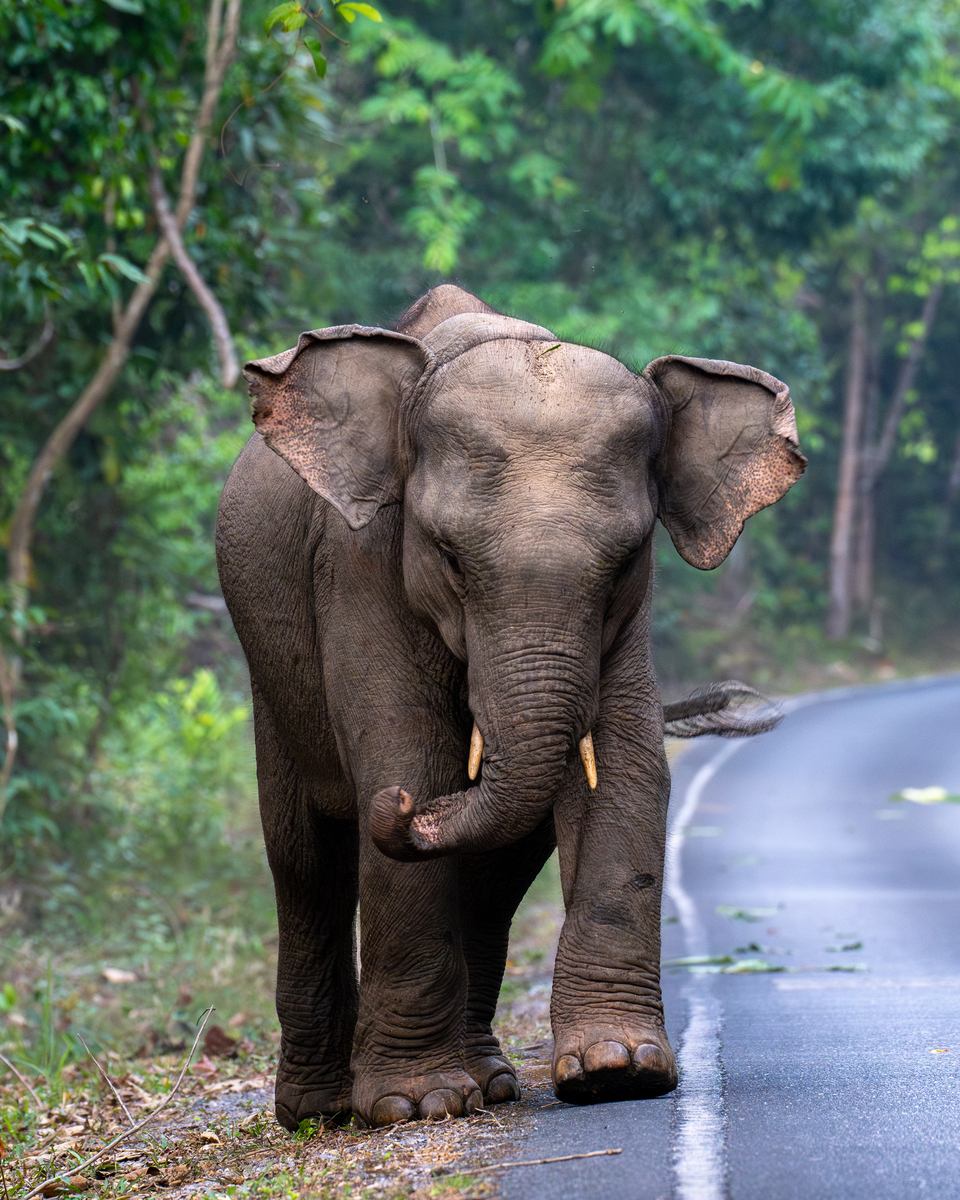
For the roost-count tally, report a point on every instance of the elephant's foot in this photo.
(384, 1097)
(489, 1066)
(303, 1094)
(610, 1062)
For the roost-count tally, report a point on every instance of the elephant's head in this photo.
(531, 472)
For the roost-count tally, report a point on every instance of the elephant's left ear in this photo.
(731, 450)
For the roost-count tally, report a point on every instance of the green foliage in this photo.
(647, 176)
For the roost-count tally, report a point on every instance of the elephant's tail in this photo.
(729, 709)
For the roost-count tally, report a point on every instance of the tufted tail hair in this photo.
(728, 709)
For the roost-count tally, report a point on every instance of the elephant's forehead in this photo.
(540, 387)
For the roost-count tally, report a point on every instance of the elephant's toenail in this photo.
(501, 1089)
(606, 1056)
(650, 1058)
(568, 1067)
(437, 1104)
(474, 1101)
(390, 1109)
(286, 1118)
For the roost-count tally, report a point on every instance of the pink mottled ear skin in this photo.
(732, 450)
(329, 408)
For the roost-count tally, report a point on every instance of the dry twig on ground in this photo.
(539, 1162)
(108, 1081)
(65, 1176)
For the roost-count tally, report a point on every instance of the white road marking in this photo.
(700, 1151)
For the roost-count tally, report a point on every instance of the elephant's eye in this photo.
(452, 570)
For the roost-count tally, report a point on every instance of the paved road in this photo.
(807, 1083)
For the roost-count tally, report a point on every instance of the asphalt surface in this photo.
(807, 1083)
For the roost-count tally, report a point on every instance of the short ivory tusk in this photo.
(589, 759)
(476, 753)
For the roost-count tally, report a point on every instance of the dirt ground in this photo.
(218, 1138)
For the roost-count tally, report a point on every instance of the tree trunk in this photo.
(946, 512)
(953, 483)
(863, 554)
(219, 52)
(841, 541)
(876, 455)
(878, 460)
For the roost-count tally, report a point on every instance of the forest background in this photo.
(768, 181)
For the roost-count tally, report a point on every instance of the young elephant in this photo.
(445, 605)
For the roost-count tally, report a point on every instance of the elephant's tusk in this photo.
(589, 760)
(476, 752)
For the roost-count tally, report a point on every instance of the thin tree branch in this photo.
(46, 336)
(7, 1063)
(218, 59)
(64, 434)
(8, 691)
(953, 483)
(108, 1081)
(841, 538)
(80, 1167)
(246, 104)
(229, 370)
(531, 1162)
(879, 456)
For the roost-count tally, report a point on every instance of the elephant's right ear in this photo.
(330, 407)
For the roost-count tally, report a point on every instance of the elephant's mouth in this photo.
(585, 746)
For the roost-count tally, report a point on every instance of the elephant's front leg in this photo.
(408, 1048)
(491, 888)
(607, 1012)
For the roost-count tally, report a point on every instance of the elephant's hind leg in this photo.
(314, 860)
(491, 888)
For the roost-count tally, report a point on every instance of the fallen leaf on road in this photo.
(698, 960)
(927, 795)
(744, 914)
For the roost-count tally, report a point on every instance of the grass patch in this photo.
(131, 972)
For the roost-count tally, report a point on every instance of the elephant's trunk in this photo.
(533, 703)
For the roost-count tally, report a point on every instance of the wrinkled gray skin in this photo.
(447, 524)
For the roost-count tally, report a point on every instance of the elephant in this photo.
(436, 550)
